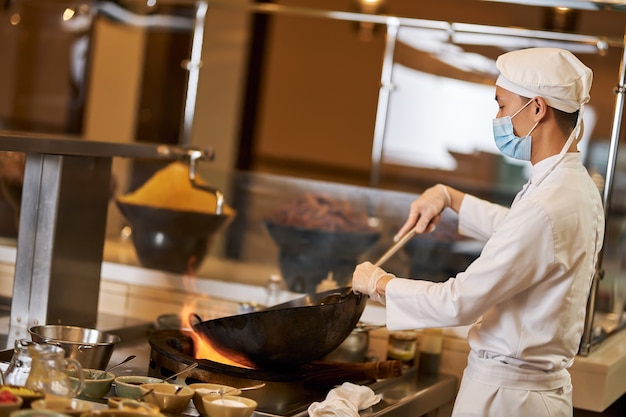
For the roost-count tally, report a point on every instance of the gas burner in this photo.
(287, 391)
(172, 350)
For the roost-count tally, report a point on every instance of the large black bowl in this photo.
(289, 334)
(308, 255)
(171, 240)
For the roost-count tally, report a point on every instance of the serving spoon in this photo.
(185, 369)
(104, 373)
(223, 392)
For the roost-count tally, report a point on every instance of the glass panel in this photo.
(438, 129)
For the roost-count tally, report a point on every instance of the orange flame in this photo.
(203, 349)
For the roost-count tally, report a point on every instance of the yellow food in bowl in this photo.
(170, 188)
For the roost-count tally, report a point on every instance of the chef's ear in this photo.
(540, 106)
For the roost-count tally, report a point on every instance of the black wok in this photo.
(288, 334)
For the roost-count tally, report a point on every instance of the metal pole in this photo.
(620, 90)
(193, 65)
(386, 87)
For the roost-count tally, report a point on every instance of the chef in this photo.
(526, 294)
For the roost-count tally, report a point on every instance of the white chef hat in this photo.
(552, 73)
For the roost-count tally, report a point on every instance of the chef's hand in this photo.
(425, 212)
(371, 280)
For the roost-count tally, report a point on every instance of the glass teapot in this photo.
(49, 371)
(19, 367)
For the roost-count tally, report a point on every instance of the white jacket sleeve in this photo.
(479, 218)
(517, 255)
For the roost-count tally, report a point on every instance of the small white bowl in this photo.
(201, 389)
(217, 405)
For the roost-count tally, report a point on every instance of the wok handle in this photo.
(332, 373)
(194, 316)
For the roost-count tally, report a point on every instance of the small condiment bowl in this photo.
(97, 382)
(166, 396)
(127, 386)
(68, 406)
(26, 394)
(201, 389)
(142, 407)
(116, 413)
(217, 405)
(9, 402)
(29, 412)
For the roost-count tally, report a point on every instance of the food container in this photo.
(203, 389)
(217, 405)
(90, 347)
(402, 345)
(126, 404)
(170, 398)
(27, 395)
(97, 383)
(174, 217)
(127, 386)
(9, 402)
(355, 347)
(68, 406)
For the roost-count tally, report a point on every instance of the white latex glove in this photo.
(425, 211)
(365, 279)
(344, 401)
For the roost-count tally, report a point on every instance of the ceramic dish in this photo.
(217, 405)
(97, 382)
(127, 404)
(127, 386)
(29, 412)
(170, 398)
(117, 413)
(9, 402)
(69, 406)
(201, 389)
(27, 395)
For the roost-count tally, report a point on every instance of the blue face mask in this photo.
(506, 140)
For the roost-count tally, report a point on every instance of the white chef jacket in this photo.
(527, 292)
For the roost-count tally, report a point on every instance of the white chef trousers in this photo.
(490, 388)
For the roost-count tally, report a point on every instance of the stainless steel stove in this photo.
(402, 396)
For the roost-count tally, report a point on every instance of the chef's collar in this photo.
(542, 168)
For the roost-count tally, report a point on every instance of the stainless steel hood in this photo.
(572, 4)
